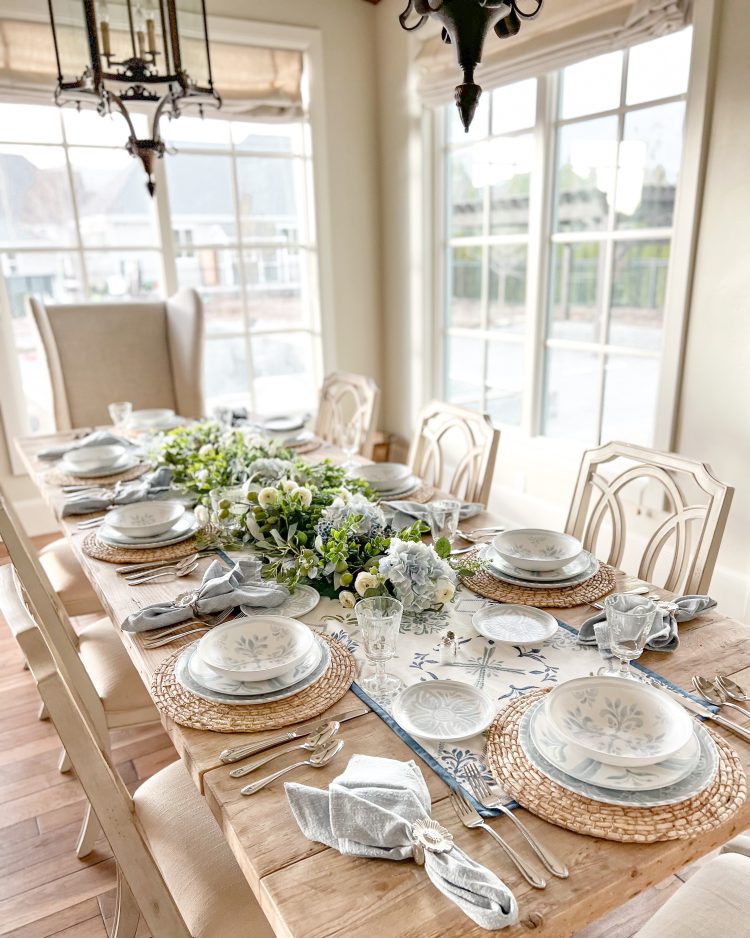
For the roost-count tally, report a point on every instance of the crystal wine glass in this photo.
(444, 515)
(629, 622)
(379, 619)
(349, 440)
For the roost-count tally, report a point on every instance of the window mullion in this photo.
(241, 274)
(76, 217)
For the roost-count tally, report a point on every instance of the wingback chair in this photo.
(147, 353)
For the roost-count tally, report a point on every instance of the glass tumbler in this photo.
(119, 413)
(444, 516)
(379, 619)
(223, 501)
(629, 623)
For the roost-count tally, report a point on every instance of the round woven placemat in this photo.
(188, 709)
(308, 446)
(93, 547)
(601, 583)
(55, 477)
(540, 795)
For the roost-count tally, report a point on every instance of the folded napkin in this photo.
(424, 512)
(221, 589)
(154, 485)
(368, 811)
(97, 438)
(664, 635)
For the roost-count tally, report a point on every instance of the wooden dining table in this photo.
(308, 890)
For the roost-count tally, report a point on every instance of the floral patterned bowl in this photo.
(618, 721)
(145, 519)
(256, 648)
(536, 549)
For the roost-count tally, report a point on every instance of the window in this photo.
(556, 248)
(235, 204)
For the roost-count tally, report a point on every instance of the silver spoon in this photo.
(175, 573)
(176, 568)
(714, 694)
(731, 688)
(317, 760)
(324, 735)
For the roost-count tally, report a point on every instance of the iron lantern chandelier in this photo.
(465, 26)
(133, 54)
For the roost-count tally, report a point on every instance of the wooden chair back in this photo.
(348, 405)
(455, 450)
(691, 511)
(76, 711)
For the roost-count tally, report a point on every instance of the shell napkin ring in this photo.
(188, 599)
(428, 834)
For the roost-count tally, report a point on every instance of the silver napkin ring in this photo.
(428, 834)
(188, 600)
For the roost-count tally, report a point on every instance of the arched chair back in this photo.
(348, 411)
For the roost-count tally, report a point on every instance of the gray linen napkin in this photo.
(368, 812)
(664, 634)
(423, 513)
(220, 590)
(154, 485)
(97, 438)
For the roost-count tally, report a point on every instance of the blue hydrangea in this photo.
(416, 574)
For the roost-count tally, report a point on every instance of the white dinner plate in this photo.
(225, 684)
(536, 584)
(581, 564)
(185, 528)
(303, 600)
(514, 624)
(126, 461)
(384, 476)
(443, 710)
(411, 485)
(156, 418)
(283, 424)
(256, 648)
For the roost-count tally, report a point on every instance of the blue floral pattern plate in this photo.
(256, 648)
(514, 624)
(303, 600)
(226, 684)
(444, 710)
(181, 531)
(690, 786)
(583, 564)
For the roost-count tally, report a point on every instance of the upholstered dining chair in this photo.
(455, 450)
(174, 867)
(348, 410)
(688, 503)
(112, 682)
(148, 353)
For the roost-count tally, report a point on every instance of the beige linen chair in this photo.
(455, 450)
(170, 852)
(691, 512)
(115, 686)
(348, 405)
(147, 353)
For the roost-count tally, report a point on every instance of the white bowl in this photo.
(94, 457)
(383, 475)
(618, 721)
(152, 418)
(145, 519)
(256, 648)
(537, 549)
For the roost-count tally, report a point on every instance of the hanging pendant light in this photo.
(112, 55)
(465, 26)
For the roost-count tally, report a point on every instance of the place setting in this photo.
(142, 531)
(391, 480)
(99, 457)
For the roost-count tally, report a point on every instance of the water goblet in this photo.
(349, 440)
(223, 501)
(379, 619)
(119, 413)
(629, 623)
(444, 515)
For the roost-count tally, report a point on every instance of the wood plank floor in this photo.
(45, 889)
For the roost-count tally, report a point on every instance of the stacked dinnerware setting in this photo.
(539, 559)
(389, 479)
(89, 462)
(147, 525)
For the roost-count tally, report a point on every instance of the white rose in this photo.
(444, 591)
(364, 582)
(202, 515)
(206, 450)
(304, 495)
(268, 498)
(201, 475)
(288, 485)
(347, 599)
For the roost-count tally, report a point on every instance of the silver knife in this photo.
(694, 707)
(242, 752)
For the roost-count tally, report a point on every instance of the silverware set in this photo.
(174, 570)
(478, 535)
(172, 633)
(717, 692)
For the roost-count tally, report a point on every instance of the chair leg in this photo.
(88, 834)
(127, 913)
(64, 764)
(43, 712)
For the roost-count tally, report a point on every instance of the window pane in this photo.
(509, 176)
(571, 395)
(283, 373)
(273, 281)
(514, 107)
(207, 134)
(225, 374)
(278, 138)
(576, 280)
(649, 164)
(464, 370)
(37, 209)
(216, 276)
(200, 197)
(505, 382)
(591, 86)
(638, 290)
(507, 288)
(454, 129)
(124, 275)
(630, 391)
(660, 68)
(27, 123)
(271, 198)
(464, 275)
(587, 153)
(114, 207)
(465, 191)
(90, 128)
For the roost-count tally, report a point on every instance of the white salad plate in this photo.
(145, 519)
(156, 418)
(128, 460)
(384, 476)
(224, 684)
(182, 673)
(690, 786)
(283, 423)
(573, 760)
(410, 485)
(586, 574)
(443, 710)
(94, 457)
(256, 648)
(570, 571)
(303, 600)
(617, 721)
(514, 624)
(181, 531)
(536, 549)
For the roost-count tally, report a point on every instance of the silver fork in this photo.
(489, 796)
(173, 630)
(176, 570)
(471, 818)
(168, 639)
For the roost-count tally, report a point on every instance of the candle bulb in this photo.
(104, 29)
(151, 35)
(140, 31)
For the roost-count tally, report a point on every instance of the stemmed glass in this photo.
(349, 440)
(629, 623)
(379, 619)
(119, 413)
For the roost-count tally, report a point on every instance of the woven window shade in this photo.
(566, 31)
(254, 82)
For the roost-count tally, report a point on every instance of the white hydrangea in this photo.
(418, 577)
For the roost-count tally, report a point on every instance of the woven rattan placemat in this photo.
(93, 547)
(187, 709)
(540, 795)
(55, 477)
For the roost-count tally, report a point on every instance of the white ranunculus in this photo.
(202, 515)
(288, 485)
(347, 599)
(444, 591)
(364, 582)
(202, 475)
(268, 498)
(304, 495)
